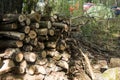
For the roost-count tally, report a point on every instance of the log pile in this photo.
(35, 47)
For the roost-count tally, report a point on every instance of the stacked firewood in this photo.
(34, 44)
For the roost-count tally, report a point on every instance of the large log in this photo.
(8, 27)
(45, 24)
(7, 66)
(34, 17)
(10, 44)
(13, 35)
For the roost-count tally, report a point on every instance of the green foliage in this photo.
(103, 33)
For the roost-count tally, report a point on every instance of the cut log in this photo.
(41, 45)
(51, 45)
(19, 57)
(25, 29)
(8, 27)
(45, 24)
(63, 64)
(34, 26)
(114, 62)
(8, 53)
(52, 53)
(22, 18)
(41, 62)
(65, 56)
(30, 56)
(27, 48)
(8, 18)
(42, 38)
(40, 69)
(22, 67)
(61, 26)
(10, 44)
(42, 54)
(61, 45)
(27, 21)
(27, 39)
(51, 32)
(34, 17)
(13, 35)
(32, 34)
(7, 66)
(34, 42)
(31, 69)
(41, 32)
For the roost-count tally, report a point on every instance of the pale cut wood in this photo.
(65, 56)
(12, 34)
(51, 32)
(31, 69)
(22, 18)
(19, 57)
(22, 67)
(30, 56)
(45, 24)
(27, 39)
(32, 34)
(62, 45)
(34, 42)
(8, 27)
(114, 62)
(42, 53)
(10, 44)
(43, 31)
(7, 66)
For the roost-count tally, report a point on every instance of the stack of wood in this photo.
(34, 45)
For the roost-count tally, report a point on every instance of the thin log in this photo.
(34, 17)
(12, 34)
(30, 56)
(45, 24)
(61, 45)
(6, 27)
(63, 64)
(89, 67)
(32, 34)
(61, 26)
(65, 56)
(10, 44)
(42, 53)
(41, 32)
(34, 26)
